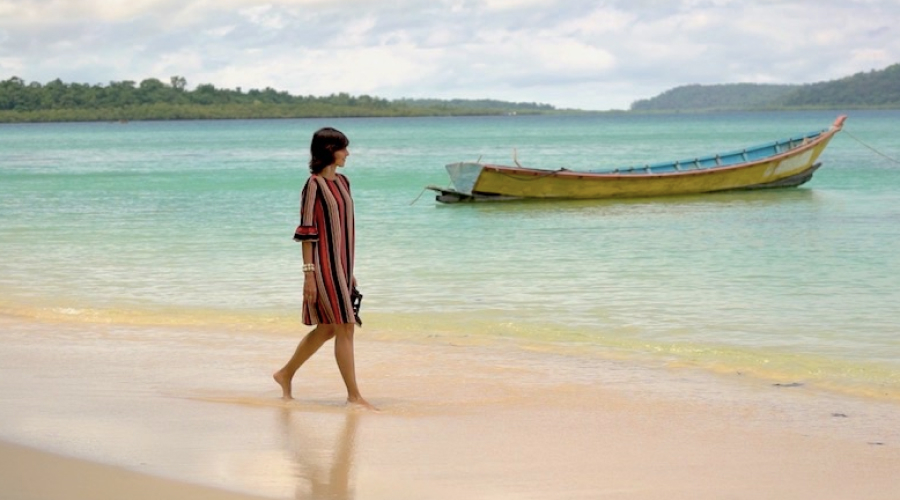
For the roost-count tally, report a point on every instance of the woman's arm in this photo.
(310, 291)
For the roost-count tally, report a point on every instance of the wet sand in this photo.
(29, 474)
(98, 411)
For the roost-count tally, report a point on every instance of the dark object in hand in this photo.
(356, 300)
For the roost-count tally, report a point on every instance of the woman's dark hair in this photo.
(324, 143)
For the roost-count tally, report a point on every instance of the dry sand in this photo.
(112, 412)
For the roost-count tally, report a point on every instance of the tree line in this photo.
(152, 99)
(876, 89)
(872, 89)
(725, 97)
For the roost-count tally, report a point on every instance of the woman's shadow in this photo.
(323, 471)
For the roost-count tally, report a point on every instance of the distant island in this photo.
(872, 90)
(153, 99)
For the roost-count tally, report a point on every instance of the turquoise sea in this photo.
(188, 224)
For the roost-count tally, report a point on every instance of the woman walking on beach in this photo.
(326, 232)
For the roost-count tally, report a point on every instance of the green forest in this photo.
(876, 89)
(152, 99)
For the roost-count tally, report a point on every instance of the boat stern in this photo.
(464, 175)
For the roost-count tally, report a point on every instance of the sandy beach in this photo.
(108, 411)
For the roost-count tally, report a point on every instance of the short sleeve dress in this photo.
(326, 220)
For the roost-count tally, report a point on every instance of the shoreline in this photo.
(840, 377)
(456, 421)
(76, 115)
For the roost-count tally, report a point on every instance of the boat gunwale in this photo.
(824, 135)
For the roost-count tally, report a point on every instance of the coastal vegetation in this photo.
(152, 99)
(872, 90)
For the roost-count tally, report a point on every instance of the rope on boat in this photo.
(857, 139)
(417, 197)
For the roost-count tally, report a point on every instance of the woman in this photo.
(326, 232)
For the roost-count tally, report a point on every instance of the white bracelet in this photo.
(309, 268)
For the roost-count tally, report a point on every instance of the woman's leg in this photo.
(305, 349)
(343, 353)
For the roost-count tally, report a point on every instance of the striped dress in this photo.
(326, 220)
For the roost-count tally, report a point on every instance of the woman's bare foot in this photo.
(359, 402)
(285, 382)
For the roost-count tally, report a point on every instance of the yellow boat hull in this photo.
(791, 167)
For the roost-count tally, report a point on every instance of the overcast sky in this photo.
(571, 54)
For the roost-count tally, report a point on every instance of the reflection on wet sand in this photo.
(323, 471)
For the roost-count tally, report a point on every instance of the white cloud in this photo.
(603, 21)
(571, 55)
(264, 17)
(578, 53)
(219, 31)
(11, 66)
(514, 4)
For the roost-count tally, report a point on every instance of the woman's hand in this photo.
(309, 287)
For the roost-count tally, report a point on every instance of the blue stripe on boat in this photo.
(730, 158)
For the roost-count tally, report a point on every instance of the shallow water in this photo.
(189, 224)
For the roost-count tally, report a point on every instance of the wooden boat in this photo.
(784, 163)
